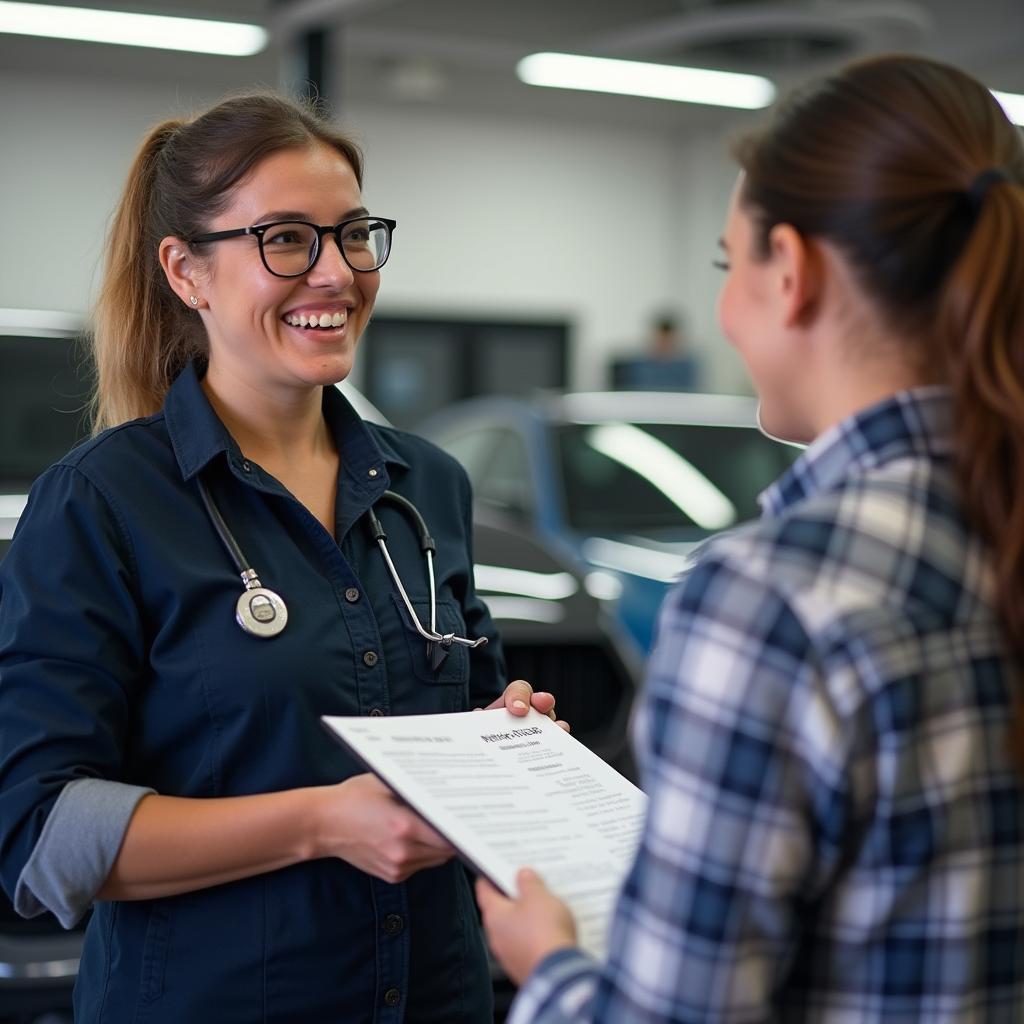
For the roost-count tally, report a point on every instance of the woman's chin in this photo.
(780, 428)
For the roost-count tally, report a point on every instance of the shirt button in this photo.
(372, 473)
(376, 713)
(246, 466)
(370, 659)
(352, 595)
(392, 997)
(393, 924)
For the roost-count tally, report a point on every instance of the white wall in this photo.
(523, 219)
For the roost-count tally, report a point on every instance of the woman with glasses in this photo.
(832, 732)
(165, 763)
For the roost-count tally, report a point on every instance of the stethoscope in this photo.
(262, 612)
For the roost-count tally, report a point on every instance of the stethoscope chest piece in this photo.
(261, 612)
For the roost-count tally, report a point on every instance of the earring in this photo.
(193, 300)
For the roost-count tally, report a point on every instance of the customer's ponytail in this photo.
(981, 326)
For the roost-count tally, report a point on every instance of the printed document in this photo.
(512, 792)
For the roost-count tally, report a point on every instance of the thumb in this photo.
(529, 882)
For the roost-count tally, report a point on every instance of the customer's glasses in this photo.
(290, 248)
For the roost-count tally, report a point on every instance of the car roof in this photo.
(650, 407)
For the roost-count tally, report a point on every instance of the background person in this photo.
(159, 759)
(831, 733)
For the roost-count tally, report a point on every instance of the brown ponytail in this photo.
(182, 176)
(980, 322)
(142, 334)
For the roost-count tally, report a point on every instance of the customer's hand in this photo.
(519, 698)
(364, 823)
(523, 931)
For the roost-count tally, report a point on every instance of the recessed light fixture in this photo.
(1012, 103)
(656, 81)
(197, 35)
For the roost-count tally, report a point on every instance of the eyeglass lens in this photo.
(290, 249)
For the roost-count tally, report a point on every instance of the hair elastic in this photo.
(978, 189)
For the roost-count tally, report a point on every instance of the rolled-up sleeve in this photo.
(71, 651)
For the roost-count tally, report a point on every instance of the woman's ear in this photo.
(181, 268)
(798, 274)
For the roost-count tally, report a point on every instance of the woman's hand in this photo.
(522, 932)
(364, 823)
(519, 698)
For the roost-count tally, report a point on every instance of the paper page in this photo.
(511, 792)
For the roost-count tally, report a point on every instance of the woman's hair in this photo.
(183, 175)
(912, 170)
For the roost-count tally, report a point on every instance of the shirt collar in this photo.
(916, 422)
(198, 436)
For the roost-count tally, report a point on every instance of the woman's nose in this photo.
(330, 267)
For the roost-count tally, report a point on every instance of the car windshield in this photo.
(665, 478)
(44, 397)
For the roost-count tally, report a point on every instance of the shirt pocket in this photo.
(454, 669)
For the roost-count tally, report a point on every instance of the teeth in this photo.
(317, 320)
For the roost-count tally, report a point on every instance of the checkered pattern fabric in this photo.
(835, 831)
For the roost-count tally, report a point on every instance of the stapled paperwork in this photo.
(512, 792)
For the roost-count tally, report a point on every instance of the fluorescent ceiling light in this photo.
(663, 467)
(1012, 103)
(197, 35)
(657, 81)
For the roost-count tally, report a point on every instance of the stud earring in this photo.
(193, 300)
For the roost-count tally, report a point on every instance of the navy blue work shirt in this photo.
(120, 659)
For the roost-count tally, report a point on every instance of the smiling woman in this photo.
(158, 761)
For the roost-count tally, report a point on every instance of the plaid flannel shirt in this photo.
(835, 831)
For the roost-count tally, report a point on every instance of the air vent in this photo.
(767, 33)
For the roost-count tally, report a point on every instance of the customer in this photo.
(831, 734)
(155, 757)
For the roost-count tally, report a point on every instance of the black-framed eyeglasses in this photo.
(290, 248)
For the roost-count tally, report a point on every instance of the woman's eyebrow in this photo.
(273, 215)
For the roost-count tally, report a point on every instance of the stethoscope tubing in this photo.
(251, 581)
(428, 547)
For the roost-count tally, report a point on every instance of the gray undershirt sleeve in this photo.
(77, 848)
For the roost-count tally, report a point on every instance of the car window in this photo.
(649, 478)
(472, 449)
(44, 393)
(504, 479)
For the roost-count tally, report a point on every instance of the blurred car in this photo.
(621, 485)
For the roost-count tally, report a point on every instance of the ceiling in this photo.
(460, 55)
